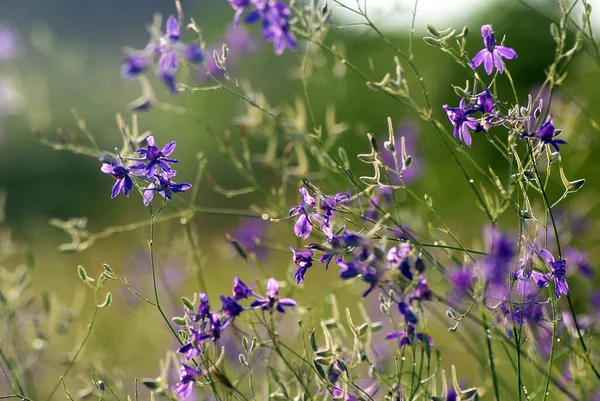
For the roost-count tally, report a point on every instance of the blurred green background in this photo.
(71, 53)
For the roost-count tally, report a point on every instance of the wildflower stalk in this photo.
(571, 309)
(13, 372)
(490, 353)
(153, 267)
(81, 345)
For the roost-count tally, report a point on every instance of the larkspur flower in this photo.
(401, 336)
(231, 309)
(526, 274)
(459, 117)
(136, 62)
(187, 378)
(302, 258)
(304, 211)
(124, 182)
(558, 272)
(164, 186)
(277, 28)
(408, 314)
(547, 134)
(193, 349)
(493, 54)
(422, 292)
(485, 102)
(274, 17)
(203, 308)
(156, 157)
(171, 49)
(272, 300)
(241, 290)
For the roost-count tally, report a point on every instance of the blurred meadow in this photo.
(66, 69)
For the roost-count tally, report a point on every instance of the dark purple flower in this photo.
(276, 26)
(172, 49)
(330, 203)
(121, 173)
(407, 312)
(422, 292)
(231, 309)
(156, 157)
(401, 336)
(273, 300)
(547, 134)
(302, 258)
(304, 211)
(203, 308)
(187, 377)
(214, 328)
(492, 55)
(136, 62)
(485, 102)
(192, 349)
(164, 186)
(459, 116)
(559, 271)
(274, 17)
(241, 290)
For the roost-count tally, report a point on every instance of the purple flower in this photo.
(422, 292)
(276, 26)
(193, 349)
(547, 134)
(136, 62)
(459, 117)
(302, 258)
(273, 300)
(461, 280)
(492, 55)
(172, 49)
(330, 203)
(187, 377)
(156, 157)
(526, 274)
(304, 211)
(203, 308)
(485, 102)
(241, 290)
(274, 17)
(231, 309)
(559, 271)
(121, 173)
(214, 328)
(502, 252)
(407, 312)
(401, 336)
(164, 186)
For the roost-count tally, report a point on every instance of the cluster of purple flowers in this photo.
(462, 118)
(400, 268)
(274, 16)
(205, 325)
(172, 51)
(154, 168)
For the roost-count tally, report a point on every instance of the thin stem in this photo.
(80, 348)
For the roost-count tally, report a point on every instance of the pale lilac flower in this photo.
(493, 54)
